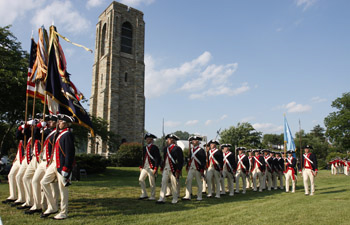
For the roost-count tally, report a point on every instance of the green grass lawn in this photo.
(111, 198)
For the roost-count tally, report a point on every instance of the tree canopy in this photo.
(243, 134)
(338, 123)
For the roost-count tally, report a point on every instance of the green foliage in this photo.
(128, 154)
(91, 163)
(13, 80)
(272, 139)
(338, 123)
(183, 135)
(242, 135)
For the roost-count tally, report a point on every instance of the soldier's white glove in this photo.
(43, 124)
(64, 174)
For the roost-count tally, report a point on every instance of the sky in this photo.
(213, 64)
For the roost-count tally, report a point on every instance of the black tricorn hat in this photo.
(212, 141)
(256, 150)
(149, 135)
(172, 136)
(266, 150)
(53, 118)
(290, 151)
(241, 148)
(226, 145)
(39, 116)
(308, 146)
(65, 117)
(195, 138)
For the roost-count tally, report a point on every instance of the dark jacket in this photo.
(177, 155)
(154, 151)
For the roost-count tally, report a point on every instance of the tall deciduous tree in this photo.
(243, 134)
(338, 123)
(13, 75)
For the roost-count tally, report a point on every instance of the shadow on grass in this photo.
(131, 206)
(333, 192)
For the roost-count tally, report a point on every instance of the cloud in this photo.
(247, 119)
(318, 99)
(171, 123)
(305, 3)
(191, 122)
(10, 10)
(267, 127)
(136, 2)
(94, 3)
(158, 82)
(208, 122)
(293, 107)
(64, 15)
(197, 77)
(223, 117)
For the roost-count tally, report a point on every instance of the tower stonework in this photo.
(117, 93)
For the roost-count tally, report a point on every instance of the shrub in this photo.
(128, 154)
(91, 163)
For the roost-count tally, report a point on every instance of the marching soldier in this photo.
(172, 166)
(44, 155)
(333, 167)
(215, 161)
(33, 151)
(249, 178)
(279, 167)
(309, 169)
(151, 161)
(21, 184)
(258, 169)
(195, 168)
(19, 196)
(269, 169)
(228, 168)
(60, 168)
(207, 148)
(242, 168)
(346, 167)
(290, 172)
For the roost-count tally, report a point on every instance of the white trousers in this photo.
(346, 170)
(194, 173)
(289, 176)
(38, 194)
(308, 175)
(19, 181)
(12, 180)
(229, 177)
(257, 174)
(50, 175)
(213, 173)
(333, 169)
(268, 180)
(152, 182)
(166, 176)
(27, 181)
(243, 175)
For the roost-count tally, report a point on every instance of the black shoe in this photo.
(8, 201)
(186, 199)
(160, 202)
(16, 204)
(45, 215)
(30, 212)
(142, 198)
(24, 207)
(167, 195)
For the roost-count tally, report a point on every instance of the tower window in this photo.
(126, 77)
(103, 40)
(126, 38)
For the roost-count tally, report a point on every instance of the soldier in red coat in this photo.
(150, 164)
(195, 168)
(60, 168)
(309, 170)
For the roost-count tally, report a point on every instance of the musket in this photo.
(301, 152)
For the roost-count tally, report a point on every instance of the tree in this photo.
(272, 140)
(318, 132)
(242, 135)
(13, 77)
(338, 123)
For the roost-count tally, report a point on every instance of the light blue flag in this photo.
(288, 137)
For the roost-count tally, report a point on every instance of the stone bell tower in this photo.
(117, 93)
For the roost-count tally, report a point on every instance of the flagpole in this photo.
(301, 153)
(25, 120)
(285, 142)
(32, 131)
(42, 133)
